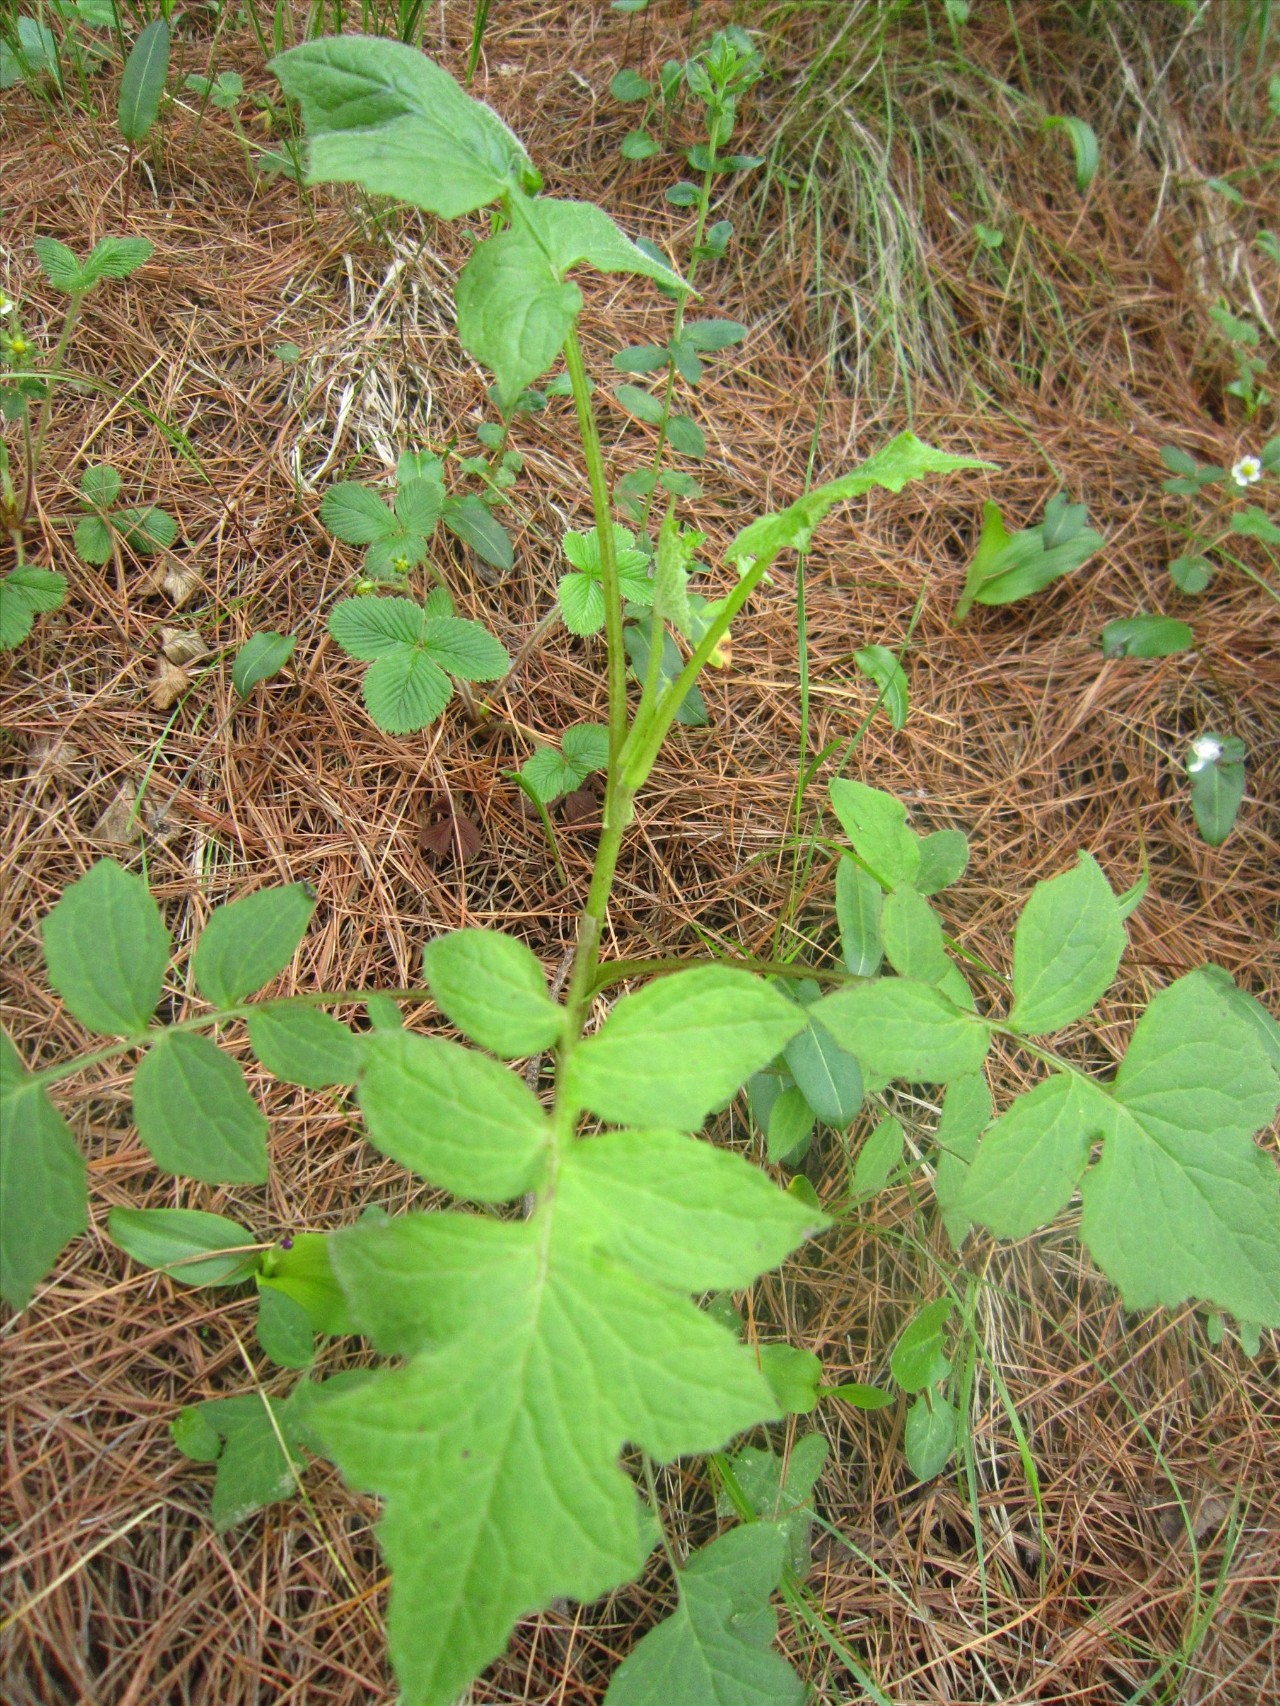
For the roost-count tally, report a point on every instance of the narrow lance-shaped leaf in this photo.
(186, 1243)
(143, 82)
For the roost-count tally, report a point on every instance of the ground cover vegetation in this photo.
(742, 478)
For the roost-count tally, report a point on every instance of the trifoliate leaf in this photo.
(106, 950)
(43, 1197)
(60, 265)
(711, 1027)
(371, 628)
(195, 1114)
(1066, 949)
(247, 942)
(493, 988)
(117, 257)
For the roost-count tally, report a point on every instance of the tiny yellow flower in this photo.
(18, 347)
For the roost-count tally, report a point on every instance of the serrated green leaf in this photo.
(901, 1029)
(356, 515)
(881, 666)
(194, 1112)
(494, 990)
(1029, 1161)
(189, 1245)
(452, 1115)
(929, 1439)
(586, 747)
(465, 648)
(100, 485)
(876, 824)
(261, 656)
(901, 461)
(248, 942)
(145, 529)
(711, 1027)
(372, 628)
(513, 312)
(284, 1332)
(93, 540)
(404, 691)
(714, 1648)
(1066, 949)
(302, 1045)
(44, 1201)
(827, 1076)
(859, 904)
(106, 950)
(24, 593)
(142, 84)
(381, 114)
(879, 1158)
(473, 522)
(918, 1359)
(503, 1493)
(117, 257)
(1182, 1203)
(549, 774)
(912, 935)
(418, 504)
(60, 265)
(944, 856)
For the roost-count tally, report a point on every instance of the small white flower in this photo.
(1247, 471)
(1206, 750)
(6, 306)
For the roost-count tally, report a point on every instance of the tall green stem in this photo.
(42, 427)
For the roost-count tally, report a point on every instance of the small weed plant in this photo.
(568, 1324)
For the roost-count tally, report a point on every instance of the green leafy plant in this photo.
(143, 530)
(1215, 770)
(29, 53)
(25, 593)
(1009, 566)
(552, 771)
(1242, 339)
(525, 1353)
(397, 535)
(1221, 519)
(146, 70)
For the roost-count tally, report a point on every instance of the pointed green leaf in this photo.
(930, 1436)
(117, 257)
(513, 312)
(711, 335)
(879, 1158)
(1066, 949)
(642, 404)
(195, 1114)
(790, 1128)
(1217, 788)
(882, 667)
(714, 1649)
(876, 824)
(24, 594)
(380, 114)
(404, 691)
(912, 936)
(452, 1115)
(1182, 1203)
(261, 656)
(473, 522)
(578, 233)
(466, 649)
(711, 1027)
(967, 1111)
(248, 942)
(1084, 144)
(189, 1245)
(60, 265)
(93, 540)
(859, 905)
(918, 1359)
(685, 436)
(901, 1029)
(284, 1332)
(106, 950)
(492, 988)
(302, 1045)
(944, 856)
(143, 82)
(581, 601)
(356, 515)
(44, 1202)
(827, 1076)
(1031, 1159)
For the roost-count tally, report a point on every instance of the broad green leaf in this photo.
(859, 905)
(472, 521)
(146, 529)
(302, 1045)
(300, 1267)
(24, 594)
(356, 515)
(405, 691)
(261, 656)
(1066, 949)
(43, 1197)
(60, 265)
(117, 257)
(100, 485)
(586, 747)
(944, 856)
(627, 85)
(284, 1332)
(685, 436)
(465, 648)
(879, 1158)
(1247, 1007)
(794, 1376)
(380, 114)
(581, 601)
(636, 637)
(790, 1128)
(371, 628)
(189, 1245)
(901, 1029)
(876, 824)
(195, 1114)
(549, 774)
(452, 1115)
(638, 145)
(967, 1110)
(781, 1490)
(142, 85)
(248, 942)
(918, 1360)
(106, 950)
(1217, 788)
(912, 936)
(827, 1076)
(513, 312)
(265, 1442)
(578, 233)
(882, 667)
(494, 990)
(1182, 1203)
(902, 460)
(711, 1027)
(679, 1208)
(711, 335)
(1145, 637)
(1084, 145)
(418, 504)
(930, 1436)
(992, 541)
(496, 1450)
(193, 1436)
(642, 404)
(1030, 1160)
(1191, 574)
(714, 1649)
(642, 358)
(1026, 565)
